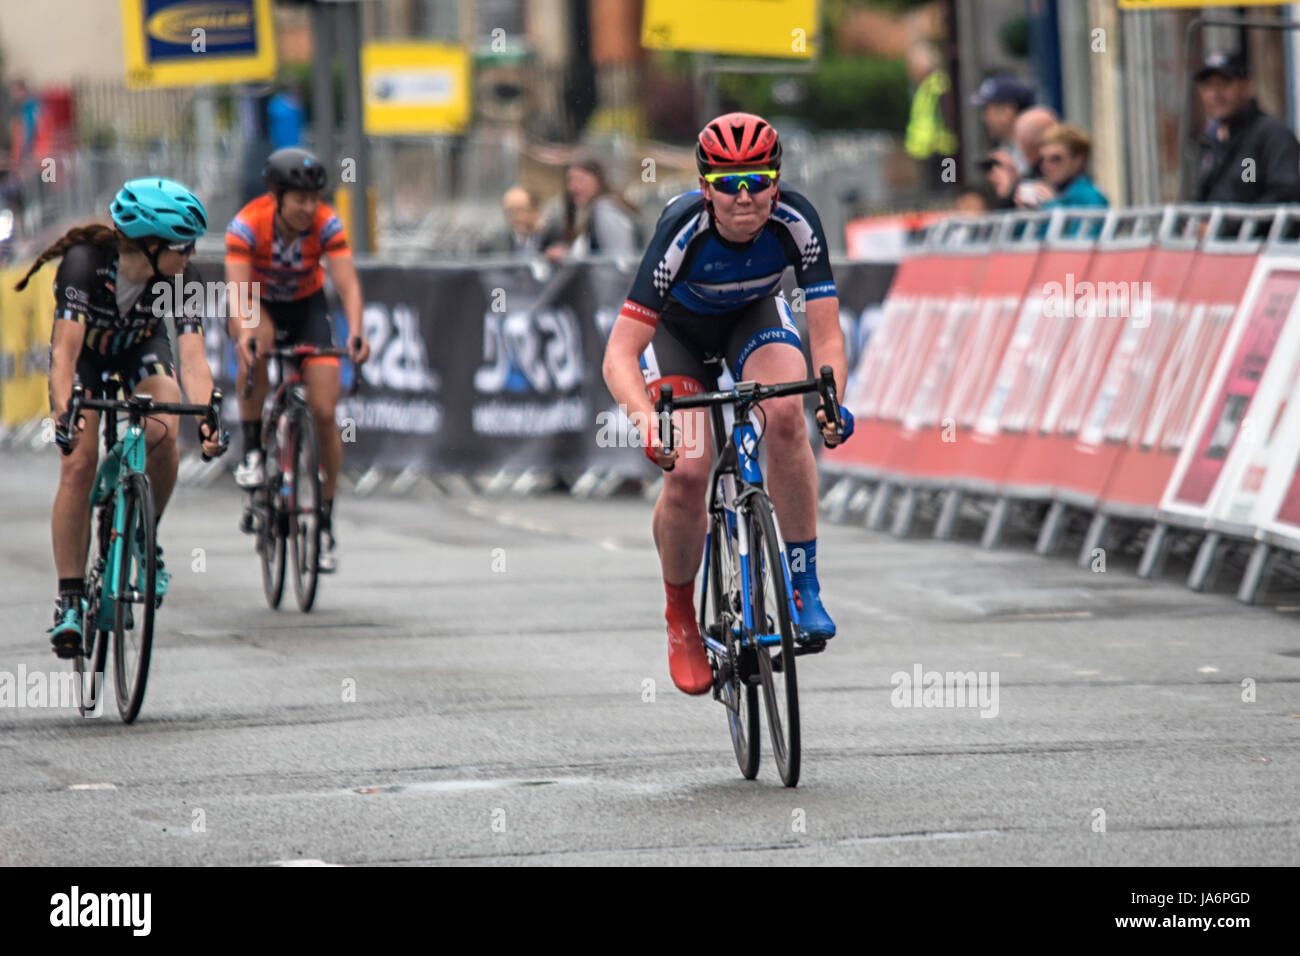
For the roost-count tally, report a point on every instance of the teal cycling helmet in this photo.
(158, 208)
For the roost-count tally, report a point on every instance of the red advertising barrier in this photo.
(1128, 375)
(1097, 308)
(1023, 360)
(961, 374)
(983, 455)
(1115, 418)
(1264, 318)
(1203, 316)
(931, 290)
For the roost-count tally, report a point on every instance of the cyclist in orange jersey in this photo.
(275, 246)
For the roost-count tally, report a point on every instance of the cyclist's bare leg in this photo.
(322, 378)
(70, 518)
(250, 409)
(162, 455)
(791, 467)
(680, 517)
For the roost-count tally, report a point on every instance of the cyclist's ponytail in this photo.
(95, 232)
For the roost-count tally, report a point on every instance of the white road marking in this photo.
(301, 863)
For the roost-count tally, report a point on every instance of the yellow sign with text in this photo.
(1170, 4)
(25, 321)
(784, 28)
(414, 88)
(197, 42)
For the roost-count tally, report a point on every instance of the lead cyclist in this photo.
(710, 285)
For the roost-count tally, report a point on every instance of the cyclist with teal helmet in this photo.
(112, 293)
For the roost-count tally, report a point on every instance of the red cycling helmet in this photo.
(737, 139)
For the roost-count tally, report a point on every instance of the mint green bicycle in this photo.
(122, 571)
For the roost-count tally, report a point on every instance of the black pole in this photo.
(348, 35)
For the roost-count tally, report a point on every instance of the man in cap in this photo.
(1000, 100)
(1246, 156)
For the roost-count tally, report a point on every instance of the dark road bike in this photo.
(285, 511)
(749, 618)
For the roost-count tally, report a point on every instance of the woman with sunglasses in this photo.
(1063, 153)
(112, 293)
(709, 286)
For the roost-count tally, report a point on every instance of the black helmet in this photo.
(293, 168)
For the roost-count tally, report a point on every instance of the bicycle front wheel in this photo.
(772, 635)
(94, 651)
(739, 691)
(273, 528)
(304, 514)
(272, 535)
(137, 567)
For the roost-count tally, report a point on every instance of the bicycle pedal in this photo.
(815, 646)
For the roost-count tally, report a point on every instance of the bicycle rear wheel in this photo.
(305, 505)
(770, 601)
(739, 694)
(133, 613)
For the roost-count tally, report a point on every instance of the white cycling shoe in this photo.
(249, 473)
(326, 561)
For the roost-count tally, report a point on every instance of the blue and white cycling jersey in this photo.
(688, 260)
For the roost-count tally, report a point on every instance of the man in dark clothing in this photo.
(1246, 156)
(1001, 99)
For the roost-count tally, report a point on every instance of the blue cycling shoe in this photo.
(65, 635)
(161, 578)
(814, 623)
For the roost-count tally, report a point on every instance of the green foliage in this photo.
(844, 93)
(1015, 37)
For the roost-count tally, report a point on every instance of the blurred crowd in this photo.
(1035, 161)
(590, 218)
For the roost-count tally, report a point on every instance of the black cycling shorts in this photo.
(304, 321)
(687, 344)
(149, 356)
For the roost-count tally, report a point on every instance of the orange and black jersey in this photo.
(286, 271)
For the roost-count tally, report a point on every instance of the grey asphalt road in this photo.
(485, 682)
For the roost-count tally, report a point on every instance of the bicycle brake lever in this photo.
(830, 402)
(664, 409)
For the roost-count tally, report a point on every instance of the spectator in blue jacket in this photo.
(285, 117)
(1064, 152)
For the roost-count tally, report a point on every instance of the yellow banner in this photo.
(784, 28)
(197, 42)
(414, 88)
(25, 321)
(1170, 4)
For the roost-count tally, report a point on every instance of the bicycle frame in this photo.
(737, 462)
(288, 395)
(126, 455)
